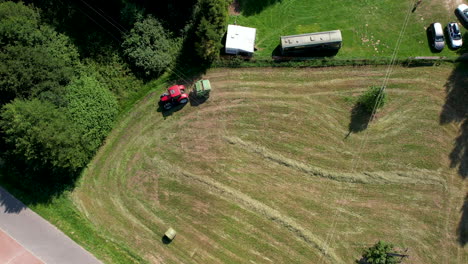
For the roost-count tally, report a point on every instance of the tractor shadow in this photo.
(360, 119)
(196, 100)
(166, 113)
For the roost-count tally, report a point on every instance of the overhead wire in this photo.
(101, 26)
(92, 8)
(380, 96)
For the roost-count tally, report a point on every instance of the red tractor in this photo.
(174, 95)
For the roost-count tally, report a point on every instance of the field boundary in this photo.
(246, 62)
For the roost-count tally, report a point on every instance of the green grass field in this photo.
(267, 171)
(274, 168)
(370, 28)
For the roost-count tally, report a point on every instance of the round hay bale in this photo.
(170, 233)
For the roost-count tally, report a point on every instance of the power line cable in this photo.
(102, 27)
(374, 109)
(92, 8)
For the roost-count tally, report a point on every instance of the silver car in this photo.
(454, 36)
(437, 36)
(462, 13)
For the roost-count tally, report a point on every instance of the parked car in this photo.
(454, 36)
(436, 35)
(462, 13)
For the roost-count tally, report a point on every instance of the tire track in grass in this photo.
(257, 207)
(409, 177)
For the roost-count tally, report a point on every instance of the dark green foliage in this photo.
(40, 135)
(19, 24)
(378, 254)
(131, 13)
(373, 98)
(175, 14)
(92, 108)
(43, 139)
(33, 57)
(211, 27)
(149, 47)
(115, 74)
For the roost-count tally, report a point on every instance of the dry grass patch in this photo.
(267, 171)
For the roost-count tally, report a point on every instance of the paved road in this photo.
(12, 252)
(38, 236)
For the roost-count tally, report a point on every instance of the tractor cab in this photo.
(176, 90)
(174, 95)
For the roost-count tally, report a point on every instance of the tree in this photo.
(40, 135)
(379, 254)
(149, 47)
(33, 57)
(19, 24)
(374, 97)
(92, 108)
(211, 27)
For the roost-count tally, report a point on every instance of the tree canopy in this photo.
(211, 27)
(378, 254)
(33, 57)
(40, 135)
(92, 108)
(149, 47)
(373, 98)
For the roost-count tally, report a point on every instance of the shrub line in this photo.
(310, 62)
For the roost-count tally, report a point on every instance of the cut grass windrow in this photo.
(408, 177)
(266, 211)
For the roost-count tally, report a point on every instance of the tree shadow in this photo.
(464, 48)
(94, 27)
(360, 119)
(33, 184)
(462, 229)
(188, 67)
(10, 203)
(253, 7)
(455, 110)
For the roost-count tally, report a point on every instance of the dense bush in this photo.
(149, 47)
(40, 135)
(378, 254)
(33, 57)
(211, 26)
(373, 98)
(116, 75)
(92, 108)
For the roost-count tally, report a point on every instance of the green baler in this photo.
(203, 88)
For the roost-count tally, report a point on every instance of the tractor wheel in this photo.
(183, 101)
(167, 106)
